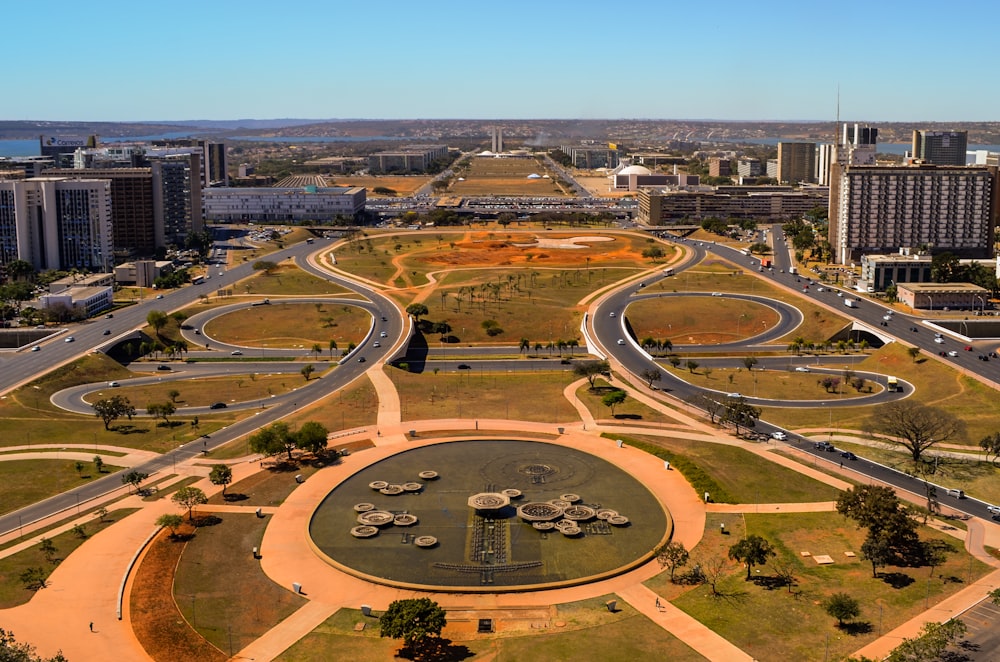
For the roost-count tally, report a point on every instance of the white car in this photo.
(621, 341)
(383, 335)
(376, 344)
(716, 294)
(36, 348)
(779, 435)
(801, 368)
(69, 339)
(939, 340)
(612, 314)
(114, 384)
(236, 352)
(952, 353)
(734, 395)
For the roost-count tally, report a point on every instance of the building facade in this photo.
(589, 158)
(796, 163)
(940, 147)
(878, 209)
(230, 205)
(749, 167)
(412, 158)
(687, 206)
(718, 167)
(942, 296)
(880, 271)
(56, 223)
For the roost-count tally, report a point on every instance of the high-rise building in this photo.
(718, 167)
(879, 209)
(214, 169)
(60, 148)
(940, 147)
(796, 163)
(496, 134)
(56, 223)
(749, 167)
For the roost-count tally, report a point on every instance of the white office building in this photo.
(277, 205)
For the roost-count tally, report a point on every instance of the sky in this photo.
(124, 60)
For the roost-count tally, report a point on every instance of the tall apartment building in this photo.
(689, 206)
(214, 169)
(718, 167)
(496, 135)
(56, 223)
(878, 209)
(940, 147)
(749, 167)
(796, 163)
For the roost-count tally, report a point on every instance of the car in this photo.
(220, 273)
(913, 329)
(779, 435)
(69, 339)
(236, 352)
(716, 294)
(163, 367)
(887, 318)
(734, 395)
(384, 319)
(621, 341)
(197, 332)
(361, 359)
(939, 340)
(114, 384)
(822, 445)
(217, 405)
(968, 348)
(464, 366)
(819, 289)
(840, 294)
(159, 296)
(994, 511)
(952, 353)
(383, 335)
(642, 285)
(612, 314)
(849, 455)
(376, 344)
(108, 316)
(107, 332)
(801, 368)
(36, 348)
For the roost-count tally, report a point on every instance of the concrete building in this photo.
(632, 177)
(87, 280)
(718, 167)
(825, 155)
(940, 147)
(749, 167)
(61, 148)
(942, 296)
(796, 163)
(213, 166)
(880, 271)
(56, 223)
(230, 205)
(589, 158)
(411, 158)
(771, 168)
(142, 272)
(89, 300)
(496, 142)
(877, 209)
(689, 206)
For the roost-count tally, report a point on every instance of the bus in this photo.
(197, 280)
(892, 384)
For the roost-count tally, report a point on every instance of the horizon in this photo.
(525, 62)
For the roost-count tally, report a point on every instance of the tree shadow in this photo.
(435, 649)
(205, 520)
(130, 429)
(856, 628)
(896, 579)
(631, 417)
(772, 582)
(234, 496)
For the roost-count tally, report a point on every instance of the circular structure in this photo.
(375, 518)
(537, 511)
(481, 542)
(572, 498)
(412, 487)
(606, 513)
(364, 531)
(512, 493)
(560, 503)
(428, 475)
(489, 501)
(392, 490)
(404, 519)
(378, 484)
(618, 520)
(425, 541)
(363, 507)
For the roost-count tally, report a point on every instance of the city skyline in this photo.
(228, 60)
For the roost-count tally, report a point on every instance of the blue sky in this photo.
(123, 60)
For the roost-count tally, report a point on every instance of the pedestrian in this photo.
(657, 603)
(92, 626)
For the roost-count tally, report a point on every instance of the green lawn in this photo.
(778, 625)
(29, 481)
(629, 411)
(293, 325)
(781, 384)
(269, 487)
(289, 280)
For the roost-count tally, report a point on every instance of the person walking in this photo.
(92, 626)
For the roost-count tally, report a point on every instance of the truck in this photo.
(850, 303)
(793, 270)
(766, 262)
(892, 384)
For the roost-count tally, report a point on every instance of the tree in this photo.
(221, 474)
(48, 548)
(98, 464)
(173, 394)
(752, 550)
(161, 410)
(935, 552)
(267, 266)
(134, 478)
(591, 370)
(417, 310)
(691, 366)
(672, 555)
(412, 620)
(34, 579)
(311, 437)
(189, 497)
(157, 319)
(934, 639)
(308, 370)
(945, 268)
(914, 352)
(171, 521)
(79, 468)
(100, 514)
(333, 348)
(842, 607)
(651, 375)
(917, 426)
(111, 409)
(749, 362)
(711, 405)
(991, 446)
(614, 398)
(740, 413)
(760, 248)
(891, 532)
(273, 439)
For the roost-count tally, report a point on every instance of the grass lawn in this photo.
(794, 626)
(289, 280)
(936, 384)
(292, 325)
(268, 487)
(403, 185)
(743, 477)
(629, 411)
(717, 275)
(203, 391)
(699, 320)
(782, 384)
(589, 632)
(29, 481)
(13, 592)
(527, 396)
(220, 588)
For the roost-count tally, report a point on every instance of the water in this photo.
(19, 147)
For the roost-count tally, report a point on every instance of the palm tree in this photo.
(525, 345)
